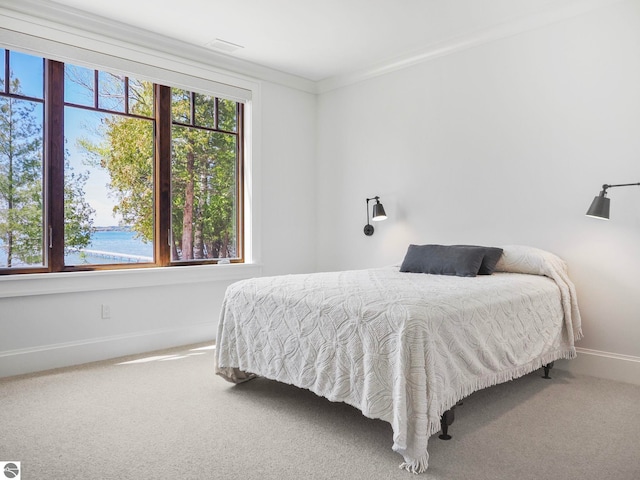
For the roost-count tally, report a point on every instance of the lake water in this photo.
(112, 246)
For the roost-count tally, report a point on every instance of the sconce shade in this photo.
(378, 212)
(599, 207)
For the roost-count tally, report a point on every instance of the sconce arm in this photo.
(605, 186)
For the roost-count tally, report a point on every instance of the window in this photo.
(109, 171)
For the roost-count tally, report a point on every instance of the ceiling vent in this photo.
(223, 46)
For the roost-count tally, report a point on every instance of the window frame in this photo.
(239, 134)
(53, 178)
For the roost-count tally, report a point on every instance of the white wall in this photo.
(504, 143)
(47, 331)
(288, 180)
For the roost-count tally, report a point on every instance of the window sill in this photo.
(70, 282)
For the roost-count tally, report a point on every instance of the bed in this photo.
(401, 346)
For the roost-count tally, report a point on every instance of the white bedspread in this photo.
(401, 347)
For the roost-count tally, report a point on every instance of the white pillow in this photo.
(531, 260)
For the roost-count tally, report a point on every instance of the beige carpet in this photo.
(172, 418)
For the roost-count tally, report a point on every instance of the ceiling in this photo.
(317, 40)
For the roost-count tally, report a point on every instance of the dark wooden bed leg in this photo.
(547, 367)
(447, 419)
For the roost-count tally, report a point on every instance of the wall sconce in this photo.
(600, 206)
(378, 214)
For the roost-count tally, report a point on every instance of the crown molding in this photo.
(56, 22)
(550, 15)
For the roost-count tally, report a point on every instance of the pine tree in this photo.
(21, 231)
(21, 186)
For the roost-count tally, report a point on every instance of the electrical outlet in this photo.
(106, 311)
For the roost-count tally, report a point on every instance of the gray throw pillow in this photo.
(490, 260)
(462, 261)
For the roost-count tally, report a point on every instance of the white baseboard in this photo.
(612, 366)
(46, 357)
